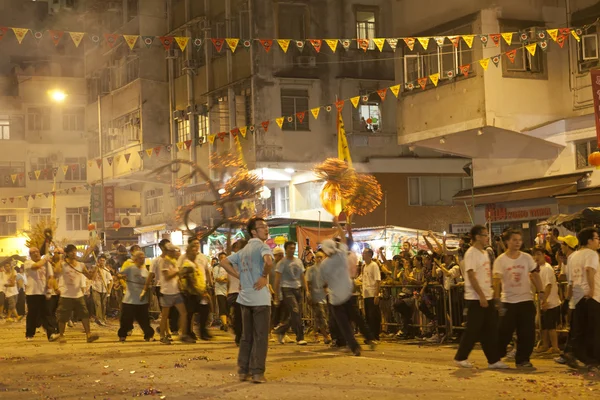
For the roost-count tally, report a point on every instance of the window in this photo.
(367, 116)
(202, 124)
(183, 130)
(4, 127)
(270, 203)
(8, 170)
(38, 118)
(127, 71)
(43, 164)
(292, 102)
(39, 215)
(73, 119)
(525, 65)
(77, 169)
(77, 218)
(154, 201)
(309, 195)
(123, 131)
(8, 225)
(284, 200)
(582, 152)
(292, 20)
(365, 26)
(435, 190)
(132, 9)
(588, 56)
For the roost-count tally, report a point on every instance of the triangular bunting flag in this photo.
(20, 33)
(553, 33)
(393, 43)
(485, 63)
(118, 159)
(126, 157)
(316, 44)
(564, 31)
(131, 40)
(495, 38)
(265, 125)
(211, 139)
(31, 175)
(218, 43)
(561, 40)
(267, 44)
(111, 39)
(221, 136)
(99, 162)
(180, 146)
(346, 43)
(379, 42)
(141, 154)
(279, 121)
(507, 37)
(332, 43)
(328, 108)
(543, 45)
(410, 43)
(3, 201)
(232, 43)
(484, 39)
(188, 143)
(148, 41)
(76, 37)
(300, 116)
(26, 197)
(90, 163)
(157, 150)
(109, 160)
(395, 90)
(315, 112)
(354, 101)
(284, 44)
(95, 39)
(65, 169)
(33, 196)
(455, 40)
(469, 40)
(67, 191)
(339, 105)
(73, 189)
(575, 35)
(167, 41)
(531, 48)
(424, 42)
(541, 34)
(37, 174)
(496, 60)
(382, 93)
(182, 42)
(46, 195)
(422, 82)
(435, 78)
(363, 44)
(197, 43)
(465, 69)
(300, 45)
(439, 40)
(243, 131)
(56, 36)
(13, 177)
(511, 55)
(11, 199)
(149, 152)
(524, 36)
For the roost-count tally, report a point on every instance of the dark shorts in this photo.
(12, 302)
(2, 298)
(550, 318)
(66, 307)
(222, 303)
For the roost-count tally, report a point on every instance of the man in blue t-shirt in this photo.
(252, 265)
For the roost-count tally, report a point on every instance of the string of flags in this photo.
(232, 44)
(71, 190)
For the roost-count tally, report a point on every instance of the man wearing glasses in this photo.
(251, 266)
(482, 316)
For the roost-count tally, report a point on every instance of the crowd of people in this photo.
(262, 294)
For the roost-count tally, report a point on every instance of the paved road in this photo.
(108, 369)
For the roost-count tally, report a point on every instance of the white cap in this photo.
(329, 246)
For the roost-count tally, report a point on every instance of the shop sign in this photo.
(96, 204)
(460, 228)
(495, 213)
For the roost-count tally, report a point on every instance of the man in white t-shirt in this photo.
(101, 287)
(482, 317)
(171, 295)
(233, 291)
(220, 278)
(512, 293)
(71, 285)
(550, 303)
(583, 276)
(37, 272)
(371, 280)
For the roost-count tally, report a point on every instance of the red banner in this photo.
(109, 204)
(595, 73)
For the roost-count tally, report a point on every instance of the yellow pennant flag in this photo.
(435, 78)
(379, 42)
(315, 112)
(180, 146)
(424, 42)
(508, 37)
(149, 152)
(284, 44)
(65, 168)
(354, 101)
(243, 131)
(118, 158)
(575, 35)
(395, 89)
(211, 139)
(20, 33)
(485, 63)
(232, 43)
(182, 42)
(553, 33)
(77, 37)
(469, 40)
(131, 40)
(37, 174)
(238, 147)
(279, 121)
(90, 163)
(343, 148)
(14, 178)
(332, 43)
(531, 48)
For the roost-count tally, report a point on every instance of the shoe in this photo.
(150, 339)
(102, 323)
(372, 344)
(70, 324)
(29, 339)
(542, 349)
(281, 338)
(327, 340)
(165, 340)
(356, 352)
(186, 339)
(434, 339)
(92, 338)
(572, 362)
(301, 342)
(207, 335)
(244, 377)
(287, 339)
(560, 360)
(525, 364)
(511, 354)
(498, 365)
(553, 351)
(259, 379)
(225, 328)
(193, 336)
(53, 337)
(122, 339)
(464, 364)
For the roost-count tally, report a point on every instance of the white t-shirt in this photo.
(548, 278)
(102, 280)
(220, 287)
(516, 286)
(578, 262)
(37, 279)
(168, 286)
(9, 290)
(234, 284)
(72, 283)
(155, 269)
(370, 275)
(452, 278)
(478, 261)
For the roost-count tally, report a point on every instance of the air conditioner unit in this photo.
(128, 222)
(179, 114)
(305, 61)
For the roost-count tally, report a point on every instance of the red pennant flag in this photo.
(166, 41)
(455, 40)
(33, 196)
(561, 40)
(316, 44)
(218, 43)
(99, 162)
(221, 135)
(465, 69)
(3, 31)
(67, 191)
(300, 116)
(267, 44)
(235, 131)
(339, 105)
(495, 38)
(111, 39)
(56, 36)
(12, 199)
(382, 93)
(73, 189)
(265, 125)
(422, 82)
(511, 55)
(157, 150)
(126, 156)
(363, 44)
(188, 143)
(564, 31)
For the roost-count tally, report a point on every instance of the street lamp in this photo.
(57, 95)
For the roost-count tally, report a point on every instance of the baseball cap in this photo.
(277, 250)
(569, 240)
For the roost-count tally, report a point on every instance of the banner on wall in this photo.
(109, 200)
(96, 214)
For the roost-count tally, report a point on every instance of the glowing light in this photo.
(221, 191)
(289, 170)
(58, 95)
(265, 193)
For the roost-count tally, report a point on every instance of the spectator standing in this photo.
(101, 288)
(371, 282)
(550, 303)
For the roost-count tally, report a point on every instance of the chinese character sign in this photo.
(595, 74)
(96, 204)
(109, 204)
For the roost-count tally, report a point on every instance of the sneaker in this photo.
(287, 339)
(29, 339)
(165, 340)
(92, 338)
(281, 338)
(301, 342)
(560, 360)
(464, 364)
(122, 339)
(259, 379)
(186, 339)
(525, 364)
(53, 337)
(498, 365)
(372, 344)
(356, 352)
(433, 339)
(70, 324)
(511, 354)
(244, 377)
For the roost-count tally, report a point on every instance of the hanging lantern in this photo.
(117, 225)
(91, 227)
(331, 198)
(594, 159)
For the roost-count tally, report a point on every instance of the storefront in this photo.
(151, 235)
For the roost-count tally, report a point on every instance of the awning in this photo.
(583, 197)
(149, 228)
(523, 190)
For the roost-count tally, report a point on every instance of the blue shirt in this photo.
(136, 279)
(313, 277)
(291, 273)
(249, 263)
(335, 274)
